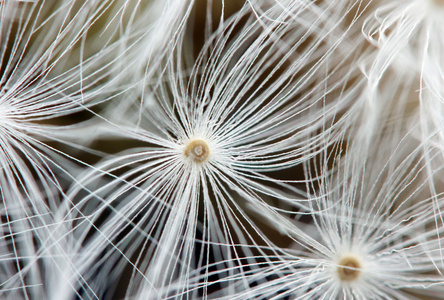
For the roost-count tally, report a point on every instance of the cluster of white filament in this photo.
(182, 149)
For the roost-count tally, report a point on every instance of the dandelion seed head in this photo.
(197, 150)
(349, 268)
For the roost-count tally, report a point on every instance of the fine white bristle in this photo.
(212, 149)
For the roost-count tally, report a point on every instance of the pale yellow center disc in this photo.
(349, 269)
(197, 150)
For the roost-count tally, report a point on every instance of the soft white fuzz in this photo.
(39, 86)
(408, 61)
(194, 149)
(376, 235)
(251, 103)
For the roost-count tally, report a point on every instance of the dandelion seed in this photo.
(38, 89)
(374, 239)
(206, 147)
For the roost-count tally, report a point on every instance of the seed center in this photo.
(197, 150)
(349, 269)
(439, 2)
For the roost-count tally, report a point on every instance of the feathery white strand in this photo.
(249, 105)
(370, 239)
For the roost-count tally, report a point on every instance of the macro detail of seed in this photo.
(197, 150)
(349, 269)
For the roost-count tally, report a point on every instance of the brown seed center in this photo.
(197, 150)
(439, 2)
(349, 269)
